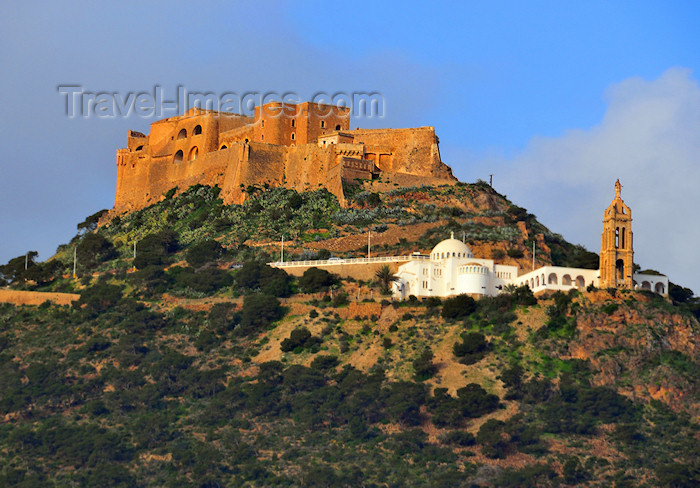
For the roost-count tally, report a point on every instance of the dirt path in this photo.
(19, 297)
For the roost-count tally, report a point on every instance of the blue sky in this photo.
(556, 99)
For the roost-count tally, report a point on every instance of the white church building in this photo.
(451, 268)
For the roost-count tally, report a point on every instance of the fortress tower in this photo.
(616, 245)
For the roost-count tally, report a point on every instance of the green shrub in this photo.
(474, 401)
(207, 280)
(299, 339)
(515, 253)
(458, 307)
(491, 439)
(472, 349)
(258, 311)
(154, 249)
(459, 438)
(204, 252)
(94, 249)
(315, 279)
(258, 276)
(498, 254)
(423, 366)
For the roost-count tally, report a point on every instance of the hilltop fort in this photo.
(302, 146)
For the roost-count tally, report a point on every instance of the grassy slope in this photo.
(174, 395)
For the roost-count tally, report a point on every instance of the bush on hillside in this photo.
(423, 366)
(258, 276)
(472, 349)
(299, 339)
(204, 252)
(314, 280)
(458, 307)
(94, 249)
(154, 249)
(258, 311)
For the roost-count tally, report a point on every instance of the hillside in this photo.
(204, 367)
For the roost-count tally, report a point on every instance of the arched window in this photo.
(620, 269)
(659, 288)
(580, 282)
(646, 285)
(323, 124)
(337, 127)
(139, 148)
(223, 146)
(197, 130)
(194, 152)
(553, 279)
(617, 237)
(623, 238)
(262, 137)
(294, 123)
(293, 135)
(182, 134)
(566, 280)
(178, 157)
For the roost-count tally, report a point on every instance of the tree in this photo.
(314, 280)
(100, 297)
(300, 338)
(94, 249)
(204, 252)
(459, 306)
(423, 366)
(90, 223)
(155, 248)
(14, 271)
(472, 349)
(256, 275)
(679, 294)
(385, 277)
(258, 311)
(491, 440)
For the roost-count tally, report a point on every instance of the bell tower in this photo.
(616, 245)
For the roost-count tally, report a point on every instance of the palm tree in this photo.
(385, 277)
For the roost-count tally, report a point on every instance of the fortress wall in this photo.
(234, 135)
(260, 163)
(229, 122)
(143, 181)
(306, 167)
(359, 271)
(355, 169)
(334, 183)
(414, 151)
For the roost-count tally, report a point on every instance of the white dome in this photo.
(451, 248)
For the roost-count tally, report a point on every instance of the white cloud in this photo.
(649, 137)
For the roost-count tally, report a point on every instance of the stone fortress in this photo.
(304, 146)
